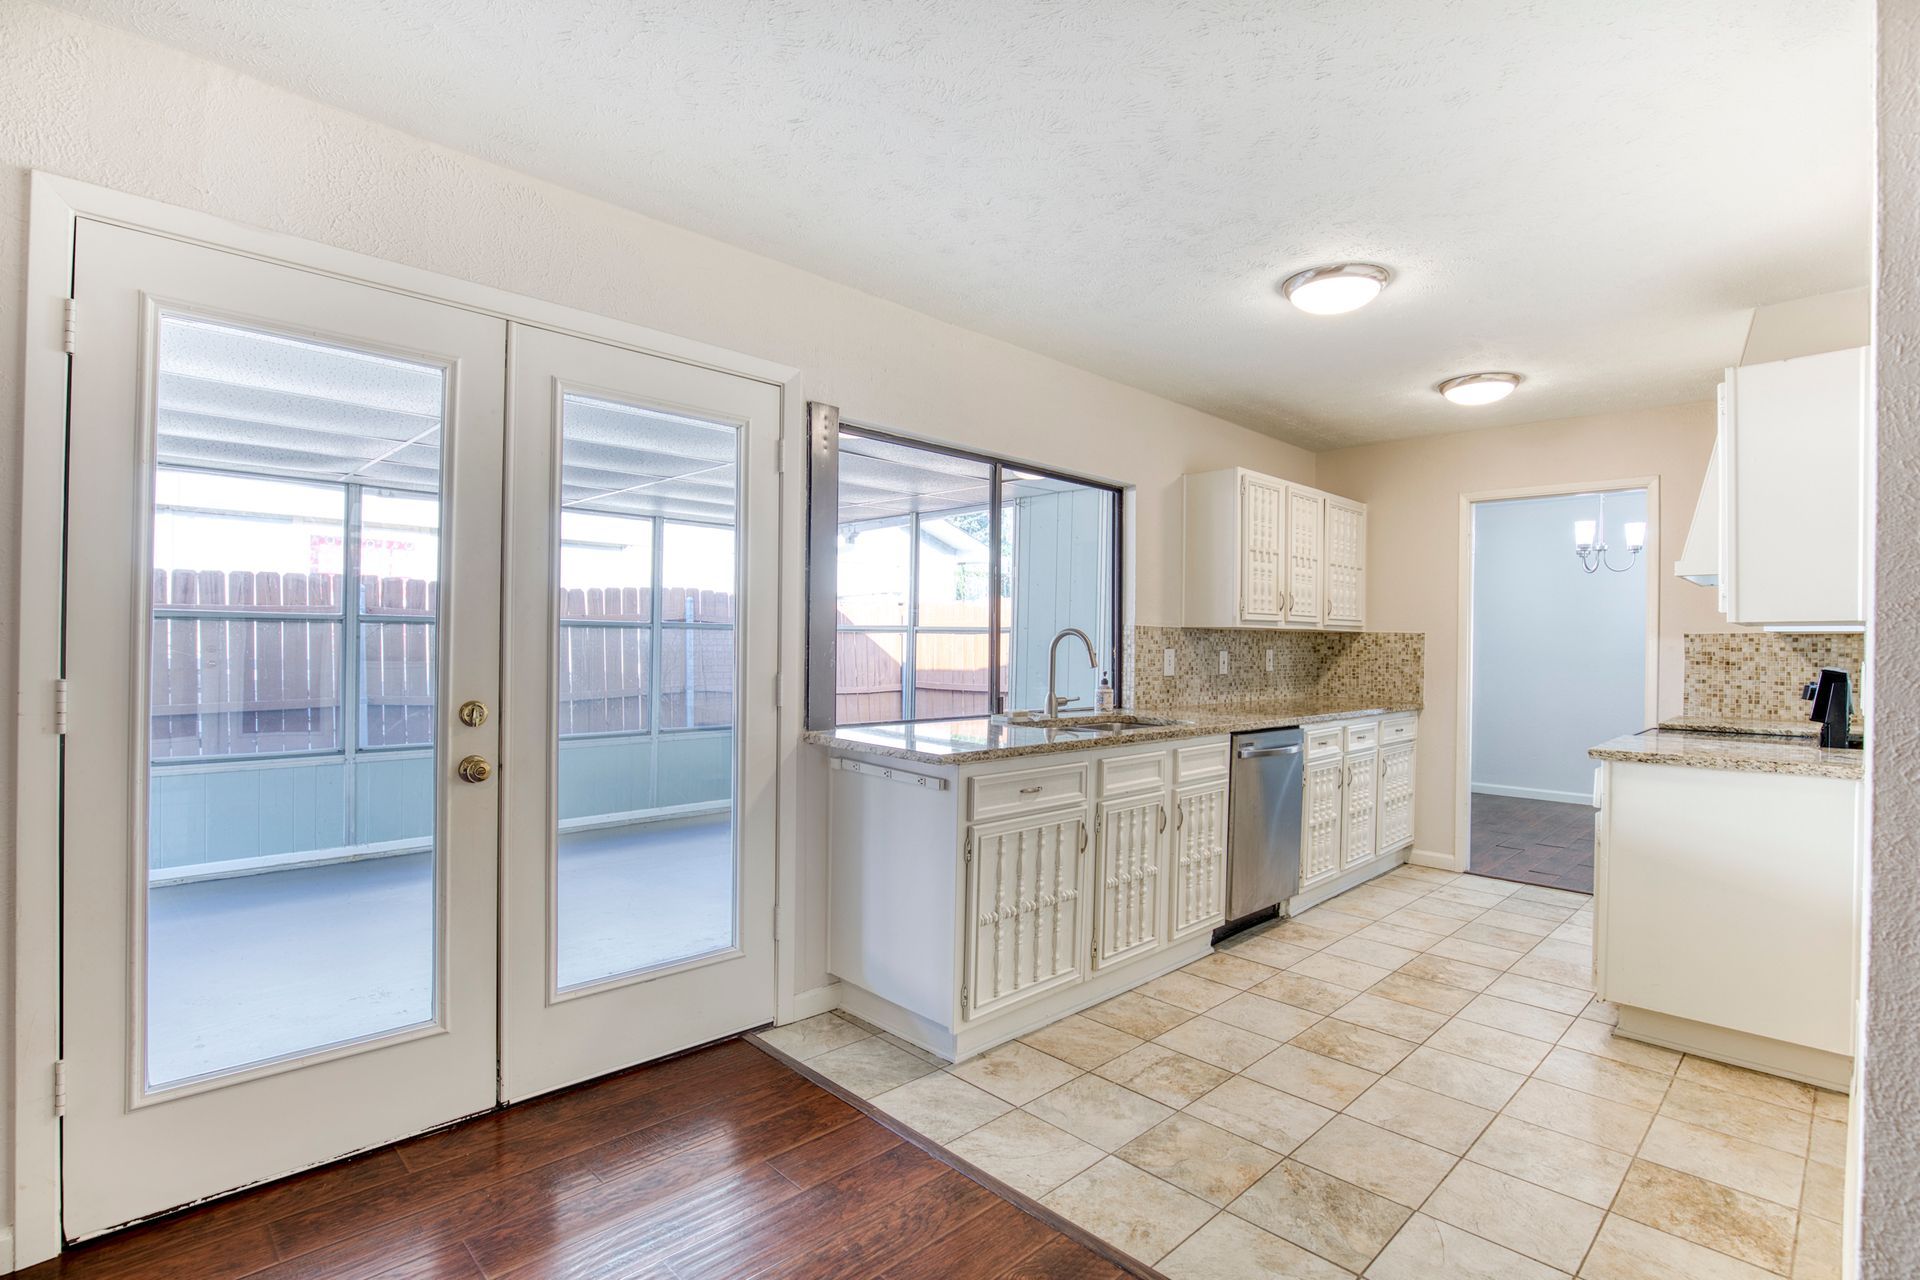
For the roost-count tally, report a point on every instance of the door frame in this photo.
(56, 204)
(1463, 646)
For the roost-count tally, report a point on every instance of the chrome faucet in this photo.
(1054, 701)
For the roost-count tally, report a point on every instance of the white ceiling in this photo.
(1593, 194)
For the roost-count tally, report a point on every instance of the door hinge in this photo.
(967, 852)
(776, 921)
(59, 1087)
(779, 688)
(66, 335)
(60, 706)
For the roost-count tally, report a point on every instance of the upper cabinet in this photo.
(1789, 538)
(1263, 552)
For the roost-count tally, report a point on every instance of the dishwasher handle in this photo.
(1255, 753)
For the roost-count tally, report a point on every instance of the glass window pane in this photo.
(696, 677)
(290, 903)
(954, 569)
(868, 688)
(646, 870)
(399, 553)
(1060, 555)
(950, 674)
(875, 568)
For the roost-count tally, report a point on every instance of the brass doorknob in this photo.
(474, 769)
(473, 714)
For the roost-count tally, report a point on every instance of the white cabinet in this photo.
(1261, 552)
(1394, 805)
(1263, 540)
(1725, 919)
(1199, 889)
(1127, 879)
(1306, 567)
(1322, 815)
(1025, 884)
(1791, 471)
(1359, 816)
(970, 904)
(1357, 810)
(1346, 563)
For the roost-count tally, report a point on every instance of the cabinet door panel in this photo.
(1127, 872)
(1025, 887)
(1305, 577)
(1322, 813)
(1261, 537)
(1358, 844)
(1199, 860)
(1346, 558)
(1395, 804)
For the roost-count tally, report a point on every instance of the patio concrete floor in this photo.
(256, 967)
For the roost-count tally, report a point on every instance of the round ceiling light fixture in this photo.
(1336, 289)
(1479, 388)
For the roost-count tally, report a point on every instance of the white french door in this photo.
(639, 751)
(336, 869)
(282, 571)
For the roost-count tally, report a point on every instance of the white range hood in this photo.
(1700, 559)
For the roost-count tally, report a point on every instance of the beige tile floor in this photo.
(1410, 1082)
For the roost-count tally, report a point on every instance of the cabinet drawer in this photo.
(1024, 790)
(1132, 774)
(1200, 763)
(1398, 729)
(1328, 740)
(1362, 734)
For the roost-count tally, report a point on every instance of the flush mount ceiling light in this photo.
(1330, 291)
(1479, 388)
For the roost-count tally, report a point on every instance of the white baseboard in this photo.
(816, 1000)
(1534, 793)
(1428, 858)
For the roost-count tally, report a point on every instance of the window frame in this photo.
(823, 511)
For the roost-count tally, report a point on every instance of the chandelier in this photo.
(1590, 546)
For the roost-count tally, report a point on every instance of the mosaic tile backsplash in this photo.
(1372, 667)
(1758, 675)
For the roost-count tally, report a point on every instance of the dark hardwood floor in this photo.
(721, 1163)
(1533, 841)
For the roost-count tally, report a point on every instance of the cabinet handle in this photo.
(1163, 816)
(1083, 839)
(1179, 818)
(1030, 791)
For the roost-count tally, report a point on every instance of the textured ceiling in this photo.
(1591, 194)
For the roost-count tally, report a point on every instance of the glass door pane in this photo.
(289, 887)
(646, 867)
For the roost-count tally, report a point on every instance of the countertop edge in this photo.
(1216, 724)
(1845, 771)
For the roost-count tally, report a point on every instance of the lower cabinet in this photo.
(968, 905)
(1127, 878)
(1395, 804)
(1323, 816)
(1361, 812)
(1358, 802)
(1199, 889)
(1025, 896)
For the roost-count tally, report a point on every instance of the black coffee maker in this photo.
(1832, 696)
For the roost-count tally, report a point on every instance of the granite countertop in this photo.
(1744, 728)
(977, 740)
(1742, 753)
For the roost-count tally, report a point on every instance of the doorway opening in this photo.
(1560, 661)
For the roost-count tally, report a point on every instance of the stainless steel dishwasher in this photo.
(1263, 823)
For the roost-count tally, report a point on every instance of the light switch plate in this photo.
(1166, 662)
(1223, 662)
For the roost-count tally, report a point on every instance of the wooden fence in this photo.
(225, 686)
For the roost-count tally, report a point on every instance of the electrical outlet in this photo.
(1223, 662)
(1269, 662)
(1167, 665)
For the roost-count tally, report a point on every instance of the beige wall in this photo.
(92, 102)
(1413, 489)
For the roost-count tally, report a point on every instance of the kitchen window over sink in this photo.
(938, 577)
